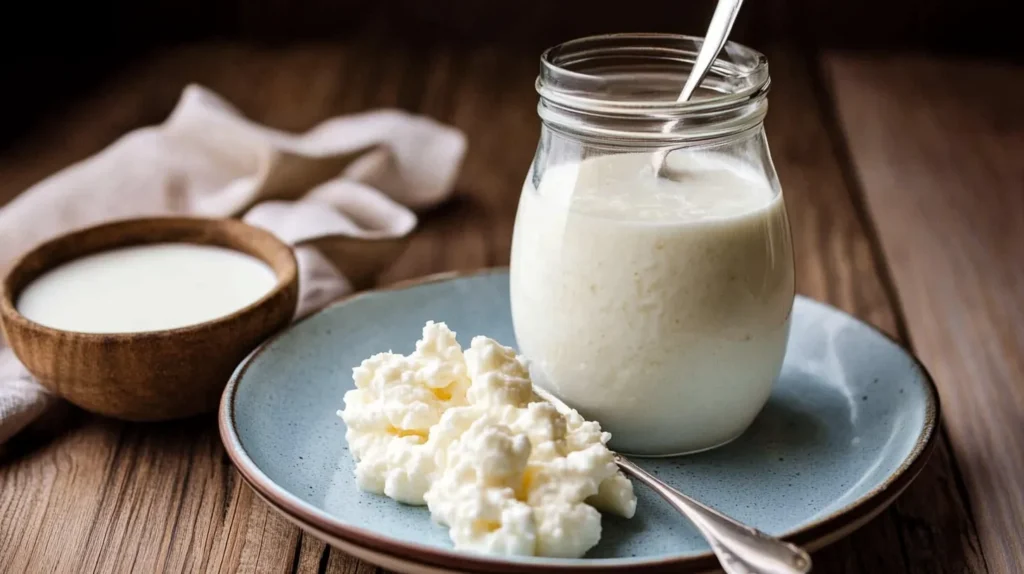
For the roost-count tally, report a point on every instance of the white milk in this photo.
(146, 288)
(659, 308)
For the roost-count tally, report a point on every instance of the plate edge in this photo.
(871, 504)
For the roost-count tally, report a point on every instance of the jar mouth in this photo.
(643, 74)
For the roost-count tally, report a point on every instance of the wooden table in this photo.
(906, 193)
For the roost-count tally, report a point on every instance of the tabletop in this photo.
(906, 196)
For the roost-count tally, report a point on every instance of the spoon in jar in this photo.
(741, 549)
(718, 33)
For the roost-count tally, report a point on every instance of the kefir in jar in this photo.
(652, 266)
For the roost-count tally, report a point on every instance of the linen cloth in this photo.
(358, 176)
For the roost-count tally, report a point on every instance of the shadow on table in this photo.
(59, 419)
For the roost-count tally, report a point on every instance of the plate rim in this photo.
(871, 502)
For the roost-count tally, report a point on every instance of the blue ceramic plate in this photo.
(848, 426)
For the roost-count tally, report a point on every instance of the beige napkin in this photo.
(359, 176)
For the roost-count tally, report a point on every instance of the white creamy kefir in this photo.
(658, 307)
(654, 298)
(146, 288)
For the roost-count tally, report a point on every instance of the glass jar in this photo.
(652, 271)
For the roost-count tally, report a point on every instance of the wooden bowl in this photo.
(153, 375)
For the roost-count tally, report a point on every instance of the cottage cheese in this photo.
(464, 433)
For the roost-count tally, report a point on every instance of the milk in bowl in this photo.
(654, 294)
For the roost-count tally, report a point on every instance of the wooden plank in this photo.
(836, 263)
(938, 147)
(117, 497)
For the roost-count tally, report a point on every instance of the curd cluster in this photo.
(464, 433)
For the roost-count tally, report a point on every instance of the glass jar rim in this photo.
(738, 76)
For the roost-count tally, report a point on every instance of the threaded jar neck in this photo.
(622, 88)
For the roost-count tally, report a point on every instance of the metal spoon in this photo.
(741, 549)
(718, 33)
(715, 39)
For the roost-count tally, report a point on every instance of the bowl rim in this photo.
(286, 275)
(815, 534)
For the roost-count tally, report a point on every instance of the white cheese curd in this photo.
(465, 434)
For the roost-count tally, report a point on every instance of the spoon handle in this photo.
(741, 549)
(718, 32)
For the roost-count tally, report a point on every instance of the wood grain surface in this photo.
(938, 147)
(93, 495)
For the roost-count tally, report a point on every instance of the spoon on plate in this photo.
(741, 549)
(717, 34)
